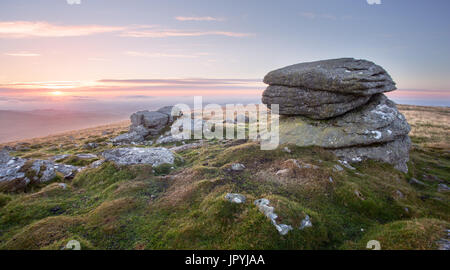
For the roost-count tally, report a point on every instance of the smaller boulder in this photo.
(237, 167)
(235, 198)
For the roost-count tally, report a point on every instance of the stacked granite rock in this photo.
(339, 104)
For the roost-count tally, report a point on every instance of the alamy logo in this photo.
(232, 121)
(73, 245)
(373, 245)
(73, 2)
(374, 2)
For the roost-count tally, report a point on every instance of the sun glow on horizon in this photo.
(56, 93)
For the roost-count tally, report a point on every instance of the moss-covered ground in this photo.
(140, 207)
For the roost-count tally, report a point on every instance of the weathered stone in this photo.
(97, 163)
(344, 75)
(443, 188)
(306, 222)
(154, 122)
(313, 104)
(186, 147)
(59, 157)
(11, 176)
(414, 181)
(136, 134)
(237, 167)
(283, 229)
(86, 156)
(130, 156)
(45, 169)
(172, 111)
(235, 198)
(377, 122)
(395, 152)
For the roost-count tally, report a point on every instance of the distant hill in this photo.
(18, 125)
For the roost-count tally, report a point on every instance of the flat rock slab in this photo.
(344, 75)
(134, 155)
(313, 104)
(377, 122)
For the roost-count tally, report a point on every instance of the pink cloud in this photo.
(23, 29)
(27, 29)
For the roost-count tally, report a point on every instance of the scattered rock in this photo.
(86, 156)
(136, 135)
(97, 163)
(14, 175)
(346, 165)
(287, 150)
(399, 194)
(59, 157)
(186, 147)
(414, 181)
(306, 222)
(283, 229)
(337, 168)
(235, 198)
(11, 176)
(45, 169)
(62, 185)
(91, 145)
(443, 188)
(130, 156)
(268, 211)
(237, 167)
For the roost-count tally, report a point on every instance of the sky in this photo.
(117, 55)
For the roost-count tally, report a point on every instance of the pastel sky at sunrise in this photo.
(112, 53)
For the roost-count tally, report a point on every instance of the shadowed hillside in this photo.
(17, 125)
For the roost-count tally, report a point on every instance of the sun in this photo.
(56, 93)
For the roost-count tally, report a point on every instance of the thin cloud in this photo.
(185, 82)
(159, 55)
(198, 19)
(23, 29)
(312, 16)
(27, 29)
(156, 33)
(23, 54)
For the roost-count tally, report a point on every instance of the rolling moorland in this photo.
(182, 206)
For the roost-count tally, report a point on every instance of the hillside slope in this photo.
(140, 207)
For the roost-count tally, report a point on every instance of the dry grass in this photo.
(429, 125)
(76, 135)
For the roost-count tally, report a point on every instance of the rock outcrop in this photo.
(131, 156)
(147, 124)
(338, 104)
(17, 173)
